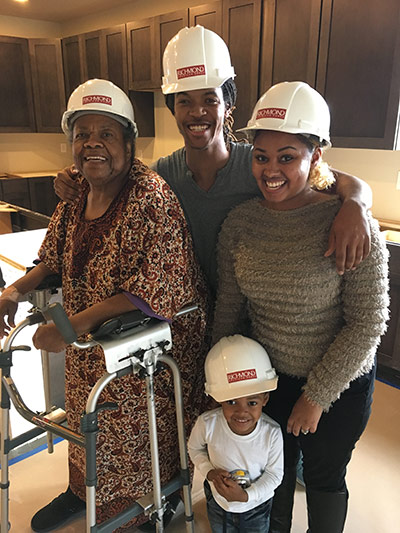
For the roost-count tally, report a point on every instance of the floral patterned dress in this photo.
(141, 245)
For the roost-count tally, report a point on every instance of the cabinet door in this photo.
(289, 45)
(167, 26)
(93, 55)
(16, 109)
(389, 349)
(16, 192)
(116, 67)
(142, 60)
(73, 63)
(241, 31)
(207, 15)
(359, 71)
(48, 83)
(42, 196)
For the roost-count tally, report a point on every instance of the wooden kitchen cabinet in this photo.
(48, 84)
(241, 24)
(389, 349)
(42, 197)
(15, 191)
(289, 42)
(16, 95)
(207, 15)
(359, 71)
(142, 55)
(96, 54)
(73, 63)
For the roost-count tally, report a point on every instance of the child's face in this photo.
(242, 414)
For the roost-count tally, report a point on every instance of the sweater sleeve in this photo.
(270, 479)
(197, 448)
(365, 313)
(230, 300)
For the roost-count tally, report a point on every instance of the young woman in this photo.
(320, 329)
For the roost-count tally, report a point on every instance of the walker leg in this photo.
(5, 421)
(159, 509)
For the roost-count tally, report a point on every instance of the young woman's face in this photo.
(200, 117)
(281, 164)
(242, 414)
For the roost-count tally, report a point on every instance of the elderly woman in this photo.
(320, 329)
(124, 245)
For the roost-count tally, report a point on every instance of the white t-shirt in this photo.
(212, 444)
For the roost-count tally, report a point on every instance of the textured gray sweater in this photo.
(312, 322)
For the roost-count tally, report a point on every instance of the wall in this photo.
(28, 152)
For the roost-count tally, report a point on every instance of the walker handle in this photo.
(56, 313)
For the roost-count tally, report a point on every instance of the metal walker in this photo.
(131, 343)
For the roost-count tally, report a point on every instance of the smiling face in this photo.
(200, 117)
(281, 164)
(242, 414)
(100, 151)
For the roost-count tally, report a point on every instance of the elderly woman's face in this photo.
(99, 149)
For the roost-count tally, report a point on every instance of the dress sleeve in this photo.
(157, 250)
(52, 248)
(230, 300)
(365, 312)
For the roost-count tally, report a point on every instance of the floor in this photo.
(373, 480)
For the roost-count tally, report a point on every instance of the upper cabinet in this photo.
(96, 54)
(31, 85)
(348, 51)
(241, 22)
(207, 15)
(16, 96)
(359, 71)
(48, 84)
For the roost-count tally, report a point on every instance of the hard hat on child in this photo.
(238, 366)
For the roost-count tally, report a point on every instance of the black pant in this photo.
(327, 452)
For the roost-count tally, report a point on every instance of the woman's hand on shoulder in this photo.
(349, 237)
(48, 338)
(304, 417)
(65, 184)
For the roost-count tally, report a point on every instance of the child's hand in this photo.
(230, 490)
(226, 486)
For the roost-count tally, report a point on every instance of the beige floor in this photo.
(373, 480)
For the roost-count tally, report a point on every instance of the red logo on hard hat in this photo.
(271, 112)
(96, 99)
(242, 375)
(189, 72)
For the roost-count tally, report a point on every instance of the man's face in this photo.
(200, 117)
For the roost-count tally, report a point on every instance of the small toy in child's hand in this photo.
(242, 477)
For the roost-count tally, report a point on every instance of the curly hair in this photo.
(321, 177)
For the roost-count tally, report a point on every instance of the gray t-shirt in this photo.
(206, 210)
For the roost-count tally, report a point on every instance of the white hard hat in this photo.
(292, 107)
(98, 97)
(195, 58)
(238, 366)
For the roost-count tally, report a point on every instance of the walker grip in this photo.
(56, 313)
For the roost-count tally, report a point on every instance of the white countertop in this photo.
(21, 248)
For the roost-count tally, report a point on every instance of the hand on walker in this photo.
(48, 338)
(226, 486)
(65, 184)
(349, 237)
(8, 309)
(304, 417)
